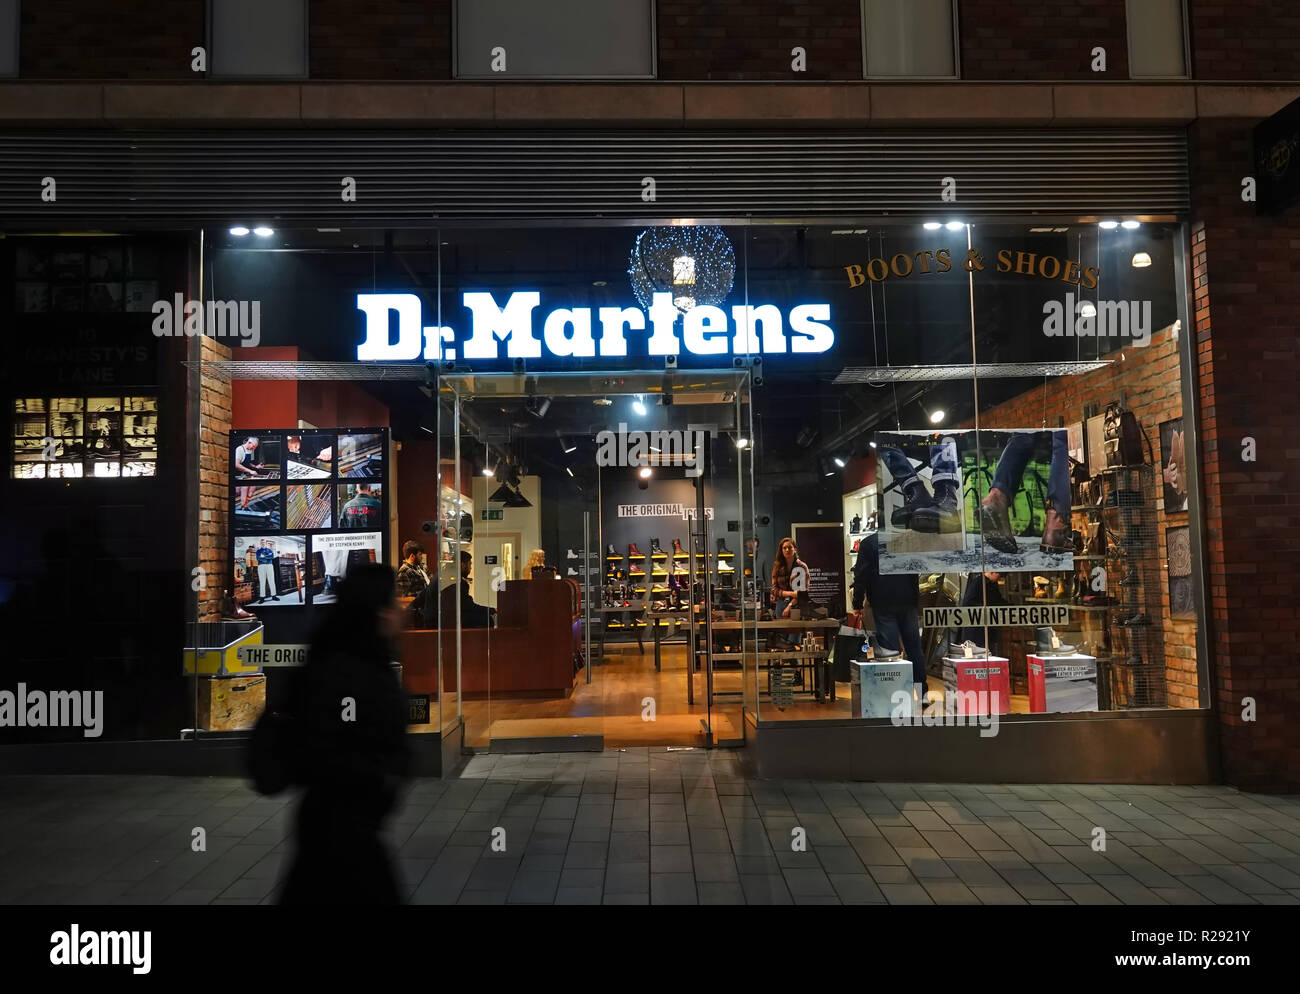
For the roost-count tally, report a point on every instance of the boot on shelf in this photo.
(230, 609)
(656, 549)
(943, 515)
(610, 553)
(995, 521)
(722, 548)
(633, 552)
(678, 551)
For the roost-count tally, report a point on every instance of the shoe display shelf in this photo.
(1130, 670)
(858, 506)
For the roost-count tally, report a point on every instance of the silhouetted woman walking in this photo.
(352, 715)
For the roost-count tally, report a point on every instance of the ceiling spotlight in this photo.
(1141, 260)
(599, 283)
(872, 444)
(932, 226)
(565, 445)
(1087, 309)
(569, 470)
(954, 225)
(644, 473)
(262, 231)
(639, 406)
(1130, 225)
(489, 471)
(538, 406)
(239, 231)
(1107, 225)
(937, 416)
(839, 462)
(742, 443)
(602, 402)
(831, 473)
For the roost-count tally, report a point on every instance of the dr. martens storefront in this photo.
(786, 446)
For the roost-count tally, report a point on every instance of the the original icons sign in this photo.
(516, 330)
(1277, 159)
(273, 655)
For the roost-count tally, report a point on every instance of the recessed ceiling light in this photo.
(639, 406)
(239, 231)
(932, 226)
(1141, 260)
(1087, 309)
(599, 283)
(1130, 225)
(262, 231)
(839, 462)
(645, 472)
(937, 416)
(954, 225)
(1107, 225)
(742, 443)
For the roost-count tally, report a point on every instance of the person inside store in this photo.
(364, 511)
(536, 568)
(352, 764)
(893, 599)
(982, 589)
(472, 615)
(789, 578)
(412, 575)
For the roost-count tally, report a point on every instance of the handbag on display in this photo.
(1123, 437)
(847, 648)
(1097, 537)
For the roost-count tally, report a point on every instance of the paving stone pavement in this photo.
(652, 826)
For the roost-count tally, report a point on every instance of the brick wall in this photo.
(1247, 297)
(1148, 381)
(392, 39)
(1245, 39)
(752, 39)
(1042, 39)
(214, 482)
(79, 39)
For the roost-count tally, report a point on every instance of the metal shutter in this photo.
(157, 177)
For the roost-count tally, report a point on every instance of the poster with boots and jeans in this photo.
(967, 502)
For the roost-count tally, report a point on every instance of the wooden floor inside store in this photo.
(612, 705)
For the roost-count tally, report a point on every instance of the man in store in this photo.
(894, 599)
(266, 571)
(412, 577)
(363, 512)
(472, 615)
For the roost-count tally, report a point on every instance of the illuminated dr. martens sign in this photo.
(570, 332)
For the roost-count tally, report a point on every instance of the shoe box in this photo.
(1062, 683)
(987, 675)
(231, 704)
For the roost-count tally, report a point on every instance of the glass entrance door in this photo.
(596, 576)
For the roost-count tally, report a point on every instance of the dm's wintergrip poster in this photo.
(968, 502)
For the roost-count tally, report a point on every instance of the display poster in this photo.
(305, 507)
(1173, 465)
(972, 502)
(821, 547)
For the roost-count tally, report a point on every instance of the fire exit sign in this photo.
(493, 514)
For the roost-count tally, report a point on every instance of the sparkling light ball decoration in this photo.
(696, 264)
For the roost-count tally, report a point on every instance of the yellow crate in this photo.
(222, 661)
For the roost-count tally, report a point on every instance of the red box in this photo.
(989, 676)
(1062, 684)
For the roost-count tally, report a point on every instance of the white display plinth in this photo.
(878, 682)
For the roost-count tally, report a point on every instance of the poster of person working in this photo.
(968, 502)
(294, 542)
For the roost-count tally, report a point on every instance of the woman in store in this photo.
(789, 577)
(536, 565)
(355, 760)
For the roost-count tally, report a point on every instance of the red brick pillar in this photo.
(214, 481)
(1246, 285)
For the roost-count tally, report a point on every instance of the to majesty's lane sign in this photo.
(1277, 160)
